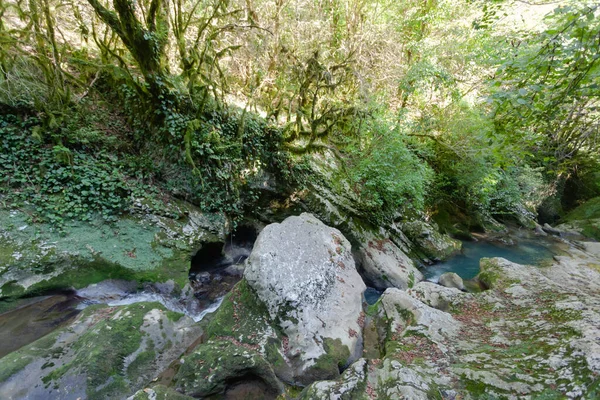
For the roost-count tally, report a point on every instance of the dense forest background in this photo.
(457, 110)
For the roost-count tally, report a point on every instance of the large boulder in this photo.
(304, 273)
(436, 296)
(105, 353)
(409, 316)
(385, 265)
(498, 272)
(452, 280)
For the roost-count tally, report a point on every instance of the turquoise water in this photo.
(466, 264)
(372, 295)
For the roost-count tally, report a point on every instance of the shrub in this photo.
(387, 177)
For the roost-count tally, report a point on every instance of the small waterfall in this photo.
(168, 303)
(121, 293)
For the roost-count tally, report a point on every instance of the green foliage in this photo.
(489, 10)
(230, 153)
(169, 72)
(582, 184)
(546, 90)
(474, 173)
(424, 77)
(385, 174)
(57, 183)
(586, 211)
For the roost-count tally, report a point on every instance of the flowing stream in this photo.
(214, 272)
(147, 296)
(38, 316)
(215, 269)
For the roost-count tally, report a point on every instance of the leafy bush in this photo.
(224, 153)
(60, 184)
(476, 172)
(545, 92)
(387, 177)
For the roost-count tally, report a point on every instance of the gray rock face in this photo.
(385, 265)
(539, 230)
(433, 244)
(106, 352)
(534, 333)
(437, 296)
(133, 248)
(406, 313)
(303, 271)
(452, 280)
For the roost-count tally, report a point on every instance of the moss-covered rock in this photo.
(243, 320)
(350, 386)
(158, 392)
(493, 273)
(218, 365)
(328, 365)
(437, 296)
(106, 353)
(242, 315)
(584, 220)
(430, 241)
(147, 248)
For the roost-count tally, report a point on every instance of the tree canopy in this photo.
(485, 106)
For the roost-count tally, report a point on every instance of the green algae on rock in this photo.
(106, 353)
(214, 366)
(147, 248)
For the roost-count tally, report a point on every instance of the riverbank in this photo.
(532, 334)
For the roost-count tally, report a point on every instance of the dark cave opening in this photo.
(215, 256)
(218, 266)
(210, 257)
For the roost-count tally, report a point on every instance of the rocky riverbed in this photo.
(297, 326)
